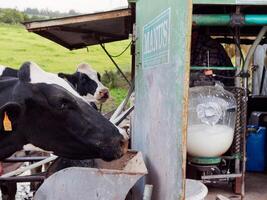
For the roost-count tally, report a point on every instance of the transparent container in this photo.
(211, 123)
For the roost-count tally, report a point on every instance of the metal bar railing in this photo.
(229, 19)
(213, 67)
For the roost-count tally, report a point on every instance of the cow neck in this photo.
(6, 82)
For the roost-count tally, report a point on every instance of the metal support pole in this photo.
(23, 169)
(122, 105)
(251, 52)
(24, 159)
(133, 40)
(237, 57)
(238, 52)
(18, 179)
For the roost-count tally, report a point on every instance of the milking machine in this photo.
(216, 135)
(217, 125)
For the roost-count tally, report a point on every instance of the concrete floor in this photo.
(255, 184)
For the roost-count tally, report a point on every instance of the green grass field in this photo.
(18, 46)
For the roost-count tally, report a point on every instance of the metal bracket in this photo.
(220, 176)
(244, 75)
(237, 20)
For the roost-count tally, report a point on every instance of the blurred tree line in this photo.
(14, 16)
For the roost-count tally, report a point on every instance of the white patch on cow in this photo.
(31, 147)
(85, 68)
(2, 68)
(123, 133)
(89, 98)
(37, 75)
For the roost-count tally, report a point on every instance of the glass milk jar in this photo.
(211, 122)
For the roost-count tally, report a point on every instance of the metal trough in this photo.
(110, 180)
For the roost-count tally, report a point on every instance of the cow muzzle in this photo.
(124, 143)
(124, 146)
(123, 133)
(102, 95)
(116, 149)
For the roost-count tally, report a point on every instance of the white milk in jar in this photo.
(211, 122)
(208, 141)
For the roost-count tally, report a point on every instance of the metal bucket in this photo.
(111, 180)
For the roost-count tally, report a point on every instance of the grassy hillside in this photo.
(18, 45)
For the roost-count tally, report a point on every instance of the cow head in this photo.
(46, 111)
(87, 83)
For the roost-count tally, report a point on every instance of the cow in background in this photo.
(86, 81)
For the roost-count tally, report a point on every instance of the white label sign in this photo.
(156, 40)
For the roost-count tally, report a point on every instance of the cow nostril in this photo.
(104, 93)
(122, 142)
(124, 145)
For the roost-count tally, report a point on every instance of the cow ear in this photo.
(69, 77)
(9, 113)
(62, 75)
(24, 72)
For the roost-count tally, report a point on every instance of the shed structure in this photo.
(161, 62)
(161, 81)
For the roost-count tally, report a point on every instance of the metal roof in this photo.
(101, 27)
(84, 30)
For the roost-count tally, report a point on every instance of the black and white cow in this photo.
(86, 81)
(46, 111)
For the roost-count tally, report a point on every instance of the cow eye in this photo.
(63, 106)
(84, 80)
